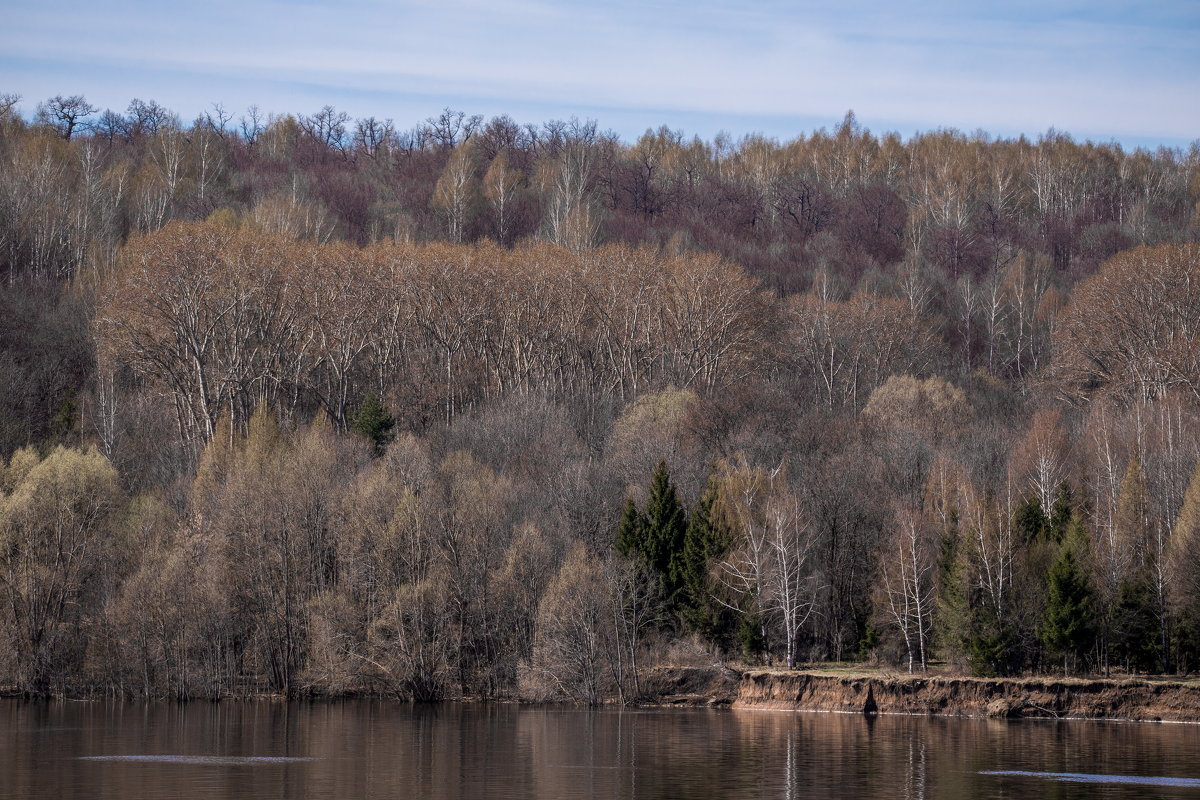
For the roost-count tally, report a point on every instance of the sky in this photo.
(1105, 71)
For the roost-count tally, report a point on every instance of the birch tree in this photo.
(906, 568)
(769, 566)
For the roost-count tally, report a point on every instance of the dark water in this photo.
(364, 749)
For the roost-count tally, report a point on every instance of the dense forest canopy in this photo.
(313, 404)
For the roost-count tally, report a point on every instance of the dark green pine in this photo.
(702, 543)
(1135, 625)
(1063, 512)
(373, 423)
(1068, 625)
(1031, 521)
(631, 531)
(666, 525)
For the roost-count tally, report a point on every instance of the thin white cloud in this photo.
(1102, 69)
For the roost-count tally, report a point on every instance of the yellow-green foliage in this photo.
(932, 406)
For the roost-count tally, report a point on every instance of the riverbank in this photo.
(1044, 697)
(852, 690)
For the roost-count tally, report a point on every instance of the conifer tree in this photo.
(215, 462)
(702, 542)
(1068, 624)
(1138, 612)
(953, 614)
(968, 626)
(1183, 560)
(1063, 512)
(666, 524)
(991, 643)
(1135, 624)
(630, 531)
(373, 423)
(1187, 524)
(655, 537)
(1031, 520)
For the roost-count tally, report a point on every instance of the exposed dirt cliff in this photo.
(972, 697)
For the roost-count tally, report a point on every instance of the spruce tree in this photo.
(751, 636)
(373, 423)
(1068, 624)
(953, 612)
(666, 524)
(991, 642)
(1183, 569)
(1062, 513)
(702, 542)
(968, 627)
(1030, 519)
(655, 537)
(1135, 624)
(630, 531)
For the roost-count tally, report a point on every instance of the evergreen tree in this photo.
(991, 644)
(1062, 513)
(953, 613)
(1185, 644)
(1183, 567)
(1031, 520)
(64, 421)
(702, 542)
(655, 537)
(666, 524)
(1135, 625)
(1068, 624)
(373, 423)
(751, 636)
(968, 627)
(630, 531)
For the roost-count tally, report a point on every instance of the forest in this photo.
(313, 405)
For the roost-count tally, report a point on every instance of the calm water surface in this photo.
(368, 749)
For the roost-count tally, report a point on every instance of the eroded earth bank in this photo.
(1061, 698)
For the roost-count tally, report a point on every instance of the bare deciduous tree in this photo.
(65, 114)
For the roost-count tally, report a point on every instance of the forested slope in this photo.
(310, 404)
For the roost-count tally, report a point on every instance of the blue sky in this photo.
(1099, 70)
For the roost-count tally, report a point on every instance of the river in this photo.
(377, 749)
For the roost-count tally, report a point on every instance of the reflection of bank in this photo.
(855, 755)
(359, 748)
(683, 754)
(819, 755)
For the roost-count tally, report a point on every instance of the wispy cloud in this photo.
(1102, 70)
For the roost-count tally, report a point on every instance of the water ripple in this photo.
(223, 761)
(1082, 777)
